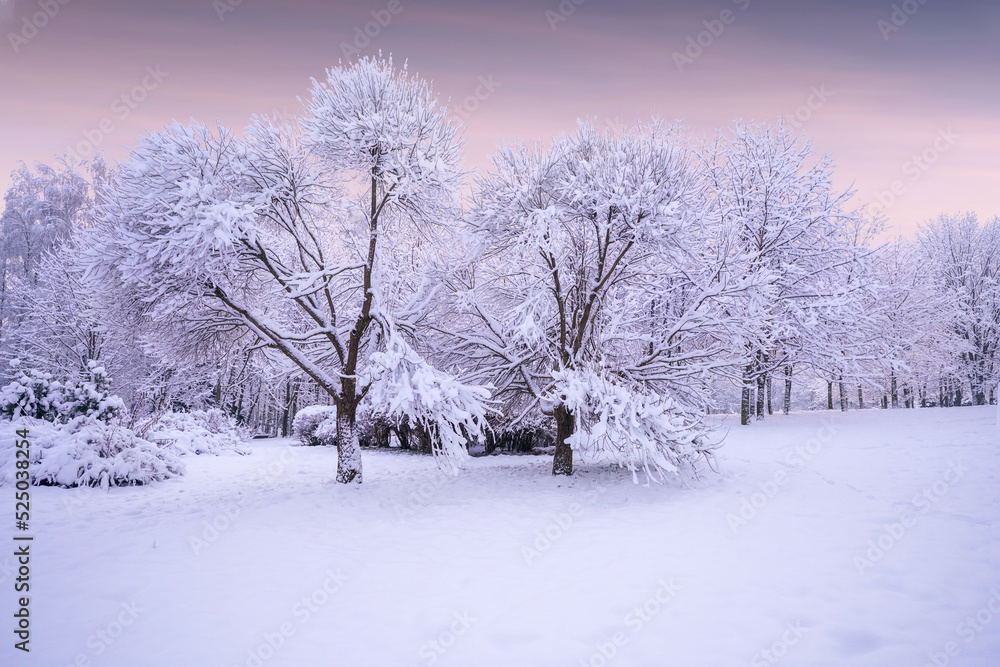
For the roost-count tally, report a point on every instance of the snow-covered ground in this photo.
(868, 540)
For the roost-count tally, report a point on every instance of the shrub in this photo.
(37, 395)
(307, 421)
(200, 432)
(85, 452)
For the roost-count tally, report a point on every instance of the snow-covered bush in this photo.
(84, 452)
(308, 420)
(637, 430)
(38, 395)
(32, 394)
(200, 432)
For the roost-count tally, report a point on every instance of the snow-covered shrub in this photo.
(325, 432)
(320, 428)
(200, 432)
(32, 394)
(37, 395)
(307, 421)
(84, 452)
(638, 430)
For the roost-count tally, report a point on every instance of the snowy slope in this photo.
(417, 568)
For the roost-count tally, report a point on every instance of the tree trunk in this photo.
(978, 390)
(562, 462)
(829, 394)
(745, 398)
(843, 395)
(861, 399)
(761, 383)
(895, 393)
(491, 441)
(348, 447)
(770, 411)
(788, 390)
(425, 439)
(286, 420)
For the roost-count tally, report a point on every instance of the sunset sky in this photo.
(887, 82)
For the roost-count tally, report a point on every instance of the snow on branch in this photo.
(404, 385)
(634, 428)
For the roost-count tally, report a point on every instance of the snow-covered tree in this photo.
(63, 323)
(298, 237)
(41, 209)
(793, 233)
(963, 259)
(593, 290)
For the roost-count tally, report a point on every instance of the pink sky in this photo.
(888, 100)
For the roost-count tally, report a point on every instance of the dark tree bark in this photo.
(348, 447)
(760, 396)
(562, 462)
(788, 390)
(745, 405)
(770, 410)
(286, 419)
(403, 433)
(829, 394)
(861, 399)
(895, 392)
(843, 395)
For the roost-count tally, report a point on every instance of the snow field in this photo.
(865, 538)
